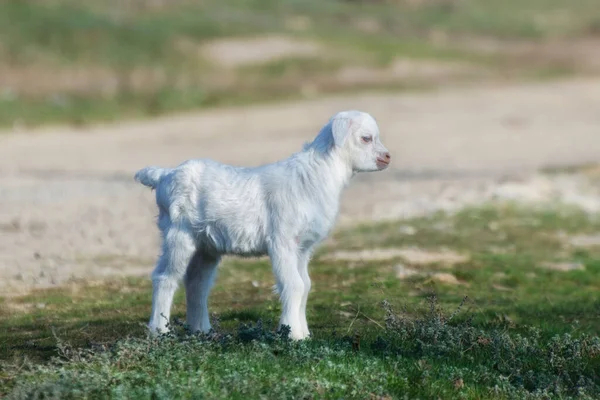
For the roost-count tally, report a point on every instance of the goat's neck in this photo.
(332, 173)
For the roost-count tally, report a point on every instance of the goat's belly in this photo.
(240, 242)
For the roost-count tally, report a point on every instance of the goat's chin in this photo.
(374, 168)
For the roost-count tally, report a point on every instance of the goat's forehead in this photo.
(364, 120)
(366, 123)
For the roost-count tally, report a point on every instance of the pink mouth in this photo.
(382, 163)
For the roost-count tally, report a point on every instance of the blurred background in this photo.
(77, 62)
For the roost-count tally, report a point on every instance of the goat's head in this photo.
(356, 136)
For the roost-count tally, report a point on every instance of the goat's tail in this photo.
(151, 176)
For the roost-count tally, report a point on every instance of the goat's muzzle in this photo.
(384, 160)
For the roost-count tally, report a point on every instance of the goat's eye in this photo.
(367, 139)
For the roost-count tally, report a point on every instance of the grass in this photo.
(511, 329)
(78, 62)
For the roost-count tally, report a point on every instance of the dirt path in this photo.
(69, 208)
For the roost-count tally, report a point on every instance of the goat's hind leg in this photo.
(178, 249)
(199, 279)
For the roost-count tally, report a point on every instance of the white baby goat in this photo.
(283, 210)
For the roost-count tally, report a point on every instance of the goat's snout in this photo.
(384, 160)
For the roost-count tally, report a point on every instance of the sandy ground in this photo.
(69, 208)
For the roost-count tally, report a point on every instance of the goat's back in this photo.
(222, 205)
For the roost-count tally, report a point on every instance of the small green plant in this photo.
(562, 365)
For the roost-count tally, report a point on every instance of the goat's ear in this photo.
(341, 127)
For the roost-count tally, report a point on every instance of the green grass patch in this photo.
(508, 247)
(511, 329)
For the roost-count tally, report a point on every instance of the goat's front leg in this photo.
(284, 257)
(303, 261)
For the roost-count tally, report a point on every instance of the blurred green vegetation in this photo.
(74, 61)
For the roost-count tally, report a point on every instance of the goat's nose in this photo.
(387, 156)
